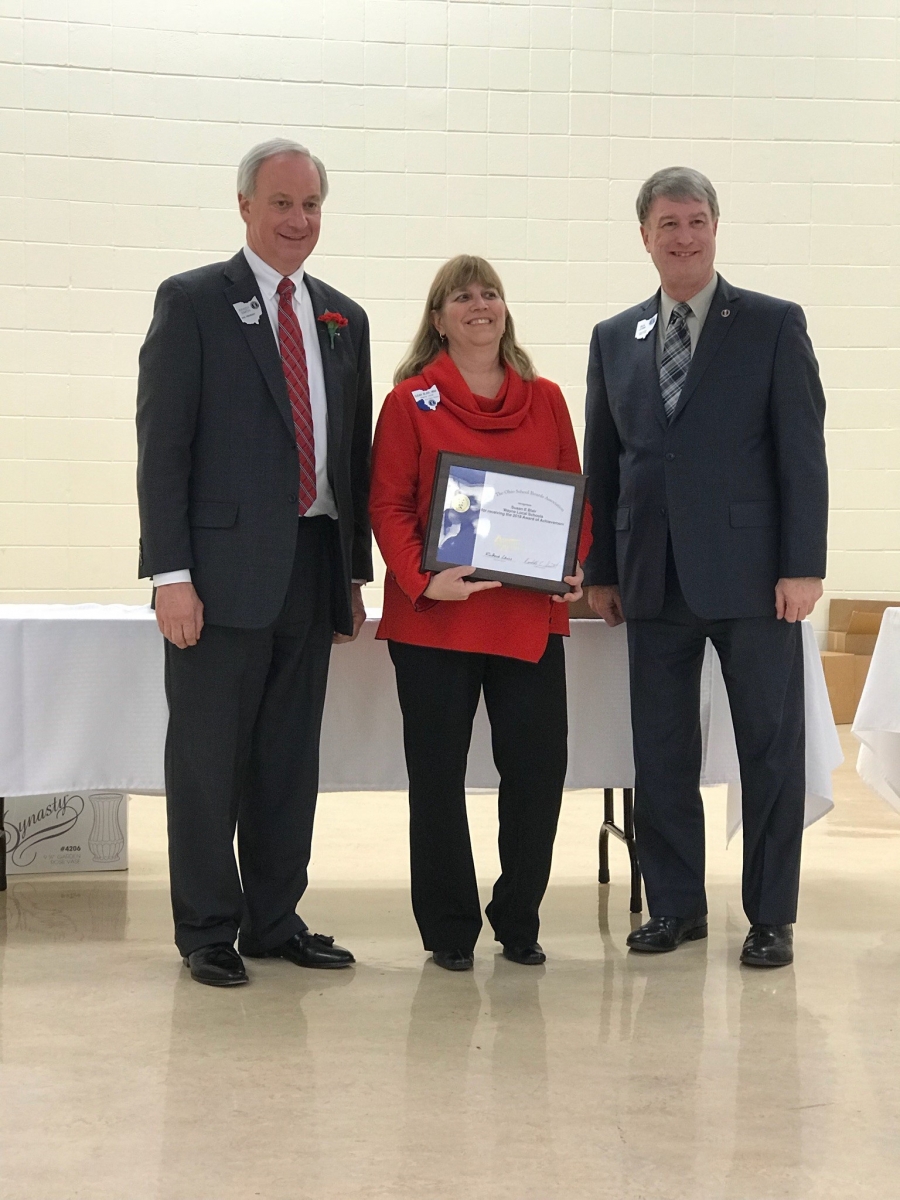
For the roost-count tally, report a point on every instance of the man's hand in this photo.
(605, 601)
(574, 581)
(179, 614)
(359, 616)
(796, 598)
(453, 585)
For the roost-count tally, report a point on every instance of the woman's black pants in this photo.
(526, 705)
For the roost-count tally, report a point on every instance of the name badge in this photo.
(644, 327)
(427, 400)
(249, 311)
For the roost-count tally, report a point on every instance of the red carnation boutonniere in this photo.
(334, 323)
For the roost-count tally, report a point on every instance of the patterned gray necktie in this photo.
(676, 358)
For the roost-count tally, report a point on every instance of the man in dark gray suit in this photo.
(254, 427)
(706, 461)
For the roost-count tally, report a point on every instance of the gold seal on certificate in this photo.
(507, 521)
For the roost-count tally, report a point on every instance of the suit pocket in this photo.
(754, 514)
(213, 514)
(623, 518)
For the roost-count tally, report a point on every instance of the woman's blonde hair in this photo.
(459, 272)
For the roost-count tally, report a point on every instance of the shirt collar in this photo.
(267, 277)
(699, 304)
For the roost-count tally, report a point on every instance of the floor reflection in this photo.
(768, 1097)
(522, 1129)
(440, 1044)
(661, 1101)
(617, 996)
(66, 910)
(877, 973)
(246, 1063)
(606, 1074)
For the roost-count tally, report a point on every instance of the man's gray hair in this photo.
(676, 183)
(248, 169)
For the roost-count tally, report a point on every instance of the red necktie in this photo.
(293, 362)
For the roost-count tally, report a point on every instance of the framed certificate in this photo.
(511, 522)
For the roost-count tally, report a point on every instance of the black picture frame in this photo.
(431, 560)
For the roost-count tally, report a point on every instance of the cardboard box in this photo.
(68, 831)
(860, 635)
(840, 679)
(853, 627)
(861, 664)
(840, 611)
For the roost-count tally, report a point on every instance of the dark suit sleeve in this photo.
(360, 464)
(169, 383)
(798, 419)
(601, 465)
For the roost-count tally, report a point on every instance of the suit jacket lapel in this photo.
(722, 314)
(332, 360)
(645, 351)
(260, 337)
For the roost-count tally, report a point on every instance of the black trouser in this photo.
(245, 711)
(526, 704)
(762, 663)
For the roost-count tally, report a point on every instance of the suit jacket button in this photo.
(292, 499)
(669, 456)
(662, 512)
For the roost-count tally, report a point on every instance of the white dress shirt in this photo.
(268, 279)
(699, 306)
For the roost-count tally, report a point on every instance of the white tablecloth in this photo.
(877, 724)
(82, 699)
(84, 707)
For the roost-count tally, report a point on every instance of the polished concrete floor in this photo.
(684, 1077)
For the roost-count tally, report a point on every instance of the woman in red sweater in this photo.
(449, 638)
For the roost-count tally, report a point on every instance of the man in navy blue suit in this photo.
(705, 455)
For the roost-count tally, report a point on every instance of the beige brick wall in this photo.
(516, 130)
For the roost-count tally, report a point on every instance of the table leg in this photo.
(2, 845)
(608, 819)
(628, 797)
(626, 835)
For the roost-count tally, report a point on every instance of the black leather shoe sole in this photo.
(317, 966)
(525, 956)
(302, 961)
(309, 950)
(694, 935)
(453, 960)
(768, 946)
(215, 981)
(750, 961)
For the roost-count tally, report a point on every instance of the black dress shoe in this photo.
(454, 960)
(661, 934)
(219, 965)
(769, 946)
(528, 956)
(311, 950)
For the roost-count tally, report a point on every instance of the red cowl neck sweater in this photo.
(525, 423)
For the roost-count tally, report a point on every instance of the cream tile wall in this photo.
(516, 130)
